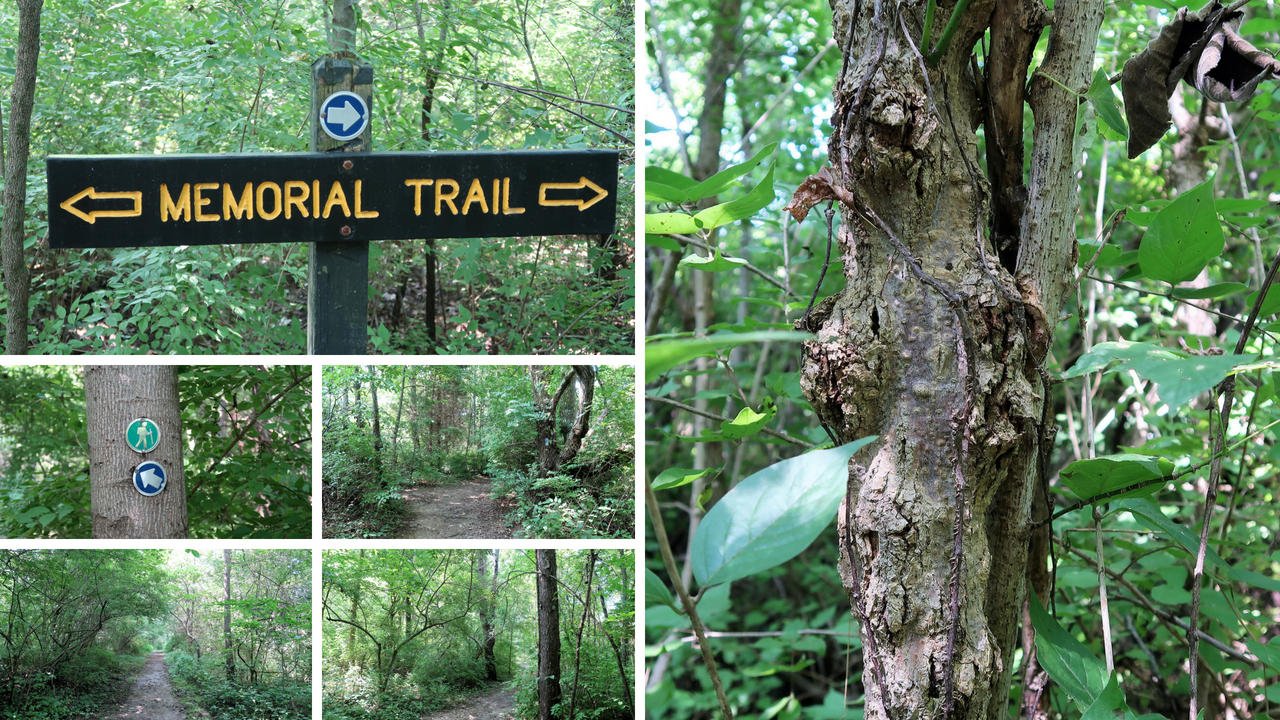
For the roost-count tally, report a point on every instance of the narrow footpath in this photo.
(152, 696)
(497, 705)
(453, 511)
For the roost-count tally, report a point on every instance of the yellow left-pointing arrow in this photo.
(601, 194)
(92, 216)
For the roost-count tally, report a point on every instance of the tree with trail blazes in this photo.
(116, 396)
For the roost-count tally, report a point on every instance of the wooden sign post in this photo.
(337, 199)
(338, 272)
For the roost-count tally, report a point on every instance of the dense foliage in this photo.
(162, 76)
(438, 424)
(412, 632)
(1134, 397)
(77, 623)
(247, 459)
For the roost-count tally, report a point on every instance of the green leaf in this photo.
(1104, 103)
(1076, 670)
(1270, 306)
(1214, 291)
(1109, 702)
(655, 591)
(1101, 356)
(771, 516)
(1179, 381)
(661, 241)
(670, 223)
(1268, 654)
(1148, 513)
(661, 356)
(722, 180)
(743, 207)
(1183, 237)
(717, 263)
(674, 477)
(769, 668)
(704, 497)
(1091, 478)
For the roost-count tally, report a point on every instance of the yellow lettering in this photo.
(299, 201)
(275, 189)
(417, 193)
(496, 195)
(231, 207)
(475, 194)
(201, 201)
(506, 198)
(169, 210)
(363, 213)
(443, 197)
(315, 198)
(336, 197)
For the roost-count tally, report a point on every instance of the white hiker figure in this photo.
(144, 435)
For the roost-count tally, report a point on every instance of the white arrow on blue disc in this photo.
(149, 478)
(344, 115)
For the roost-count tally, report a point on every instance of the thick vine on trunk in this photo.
(935, 346)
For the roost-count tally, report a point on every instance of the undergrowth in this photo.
(93, 680)
(202, 687)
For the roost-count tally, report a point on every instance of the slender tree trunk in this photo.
(577, 647)
(115, 396)
(548, 634)
(395, 434)
(935, 346)
(17, 281)
(342, 26)
(485, 608)
(226, 616)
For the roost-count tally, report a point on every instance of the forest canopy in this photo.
(246, 451)
(412, 632)
(538, 451)
(233, 626)
(169, 76)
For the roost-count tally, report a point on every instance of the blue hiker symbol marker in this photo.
(344, 115)
(149, 478)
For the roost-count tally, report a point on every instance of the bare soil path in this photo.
(462, 511)
(152, 697)
(497, 705)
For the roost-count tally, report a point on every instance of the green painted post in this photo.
(338, 272)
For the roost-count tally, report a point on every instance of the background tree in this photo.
(12, 232)
(548, 635)
(115, 396)
(947, 332)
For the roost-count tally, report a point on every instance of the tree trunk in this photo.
(114, 397)
(395, 434)
(935, 346)
(377, 427)
(548, 634)
(550, 455)
(577, 647)
(485, 608)
(17, 281)
(342, 26)
(226, 615)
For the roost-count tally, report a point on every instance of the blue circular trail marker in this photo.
(344, 115)
(149, 478)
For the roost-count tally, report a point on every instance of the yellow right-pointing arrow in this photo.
(92, 216)
(601, 193)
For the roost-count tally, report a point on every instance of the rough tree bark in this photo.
(935, 344)
(548, 634)
(550, 454)
(17, 281)
(488, 591)
(226, 615)
(114, 397)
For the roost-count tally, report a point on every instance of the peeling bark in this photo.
(935, 346)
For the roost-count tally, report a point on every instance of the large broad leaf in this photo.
(1213, 291)
(771, 516)
(743, 207)
(717, 263)
(1179, 381)
(661, 356)
(1268, 654)
(722, 180)
(1076, 670)
(1091, 478)
(1270, 306)
(1101, 357)
(655, 591)
(1183, 237)
(1108, 703)
(714, 602)
(669, 223)
(674, 477)
(663, 185)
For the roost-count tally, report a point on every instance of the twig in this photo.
(721, 418)
(831, 213)
(746, 265)
(532, 91)
(669, 561)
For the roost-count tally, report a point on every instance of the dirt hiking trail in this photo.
(497, 705)
(152, 697)
(453, 511)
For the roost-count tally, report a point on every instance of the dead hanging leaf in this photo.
(815, 189)
(1230, 67)
(1150, 77)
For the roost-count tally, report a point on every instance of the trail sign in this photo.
(154, 200)
(142, 435)
(344, 115)
(149, 478)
